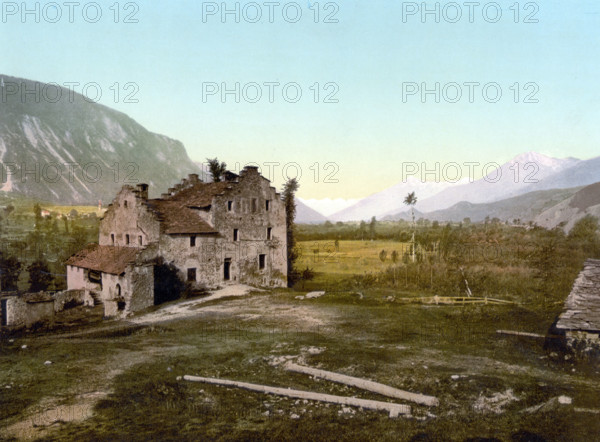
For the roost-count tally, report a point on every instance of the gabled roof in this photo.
(582, 307)
(201, 194)
(176, 218)
(106, 259)
(179, 212)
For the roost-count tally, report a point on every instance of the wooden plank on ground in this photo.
(518, 333)
(394, 410)
(365, 384)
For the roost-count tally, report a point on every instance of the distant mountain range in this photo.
(542, 182)
(585, 202)
(75, 151)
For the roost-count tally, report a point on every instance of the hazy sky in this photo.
(177, 52)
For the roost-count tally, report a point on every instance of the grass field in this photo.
(349, 257)
(121, 383)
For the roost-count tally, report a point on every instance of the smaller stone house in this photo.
(26, 310)
(110, 275)
(579, 321)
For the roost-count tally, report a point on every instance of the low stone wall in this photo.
(23, 313)
(65, 297)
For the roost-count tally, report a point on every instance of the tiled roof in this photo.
(201, 194)
(107, 259)
(582, 307)
(179, 214)
(176, 218)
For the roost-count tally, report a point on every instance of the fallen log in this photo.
(518, 333)
(374, 387)
(394, 410)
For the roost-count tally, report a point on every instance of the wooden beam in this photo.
(374, 387)
(518, 333)
(394, 410)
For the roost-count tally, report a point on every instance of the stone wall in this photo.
(20, 313)
(249, 215)
(68, 296)
(129, 215)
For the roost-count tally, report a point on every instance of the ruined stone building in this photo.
(579, 321)
(212, 234)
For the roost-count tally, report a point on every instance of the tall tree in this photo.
(37, 211)
(372, 226)
(39, 276)
(289, 193)
(410, 200)
(216, 169)
(10, 268)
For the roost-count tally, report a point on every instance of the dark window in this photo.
(125, 203)
(94, 276)
(267, 205)
(269, 232)
(118, 290)
(112, 238)
(192, 241)
(261, 261)
(191, 276)
(229, 206)
(140, 241)
(236, 236)
(127, 239)
(254, 205)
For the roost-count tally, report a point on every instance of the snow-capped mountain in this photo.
(328, 206)
(520, 175)
(390, 200)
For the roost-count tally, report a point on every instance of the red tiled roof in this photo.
(107, 259)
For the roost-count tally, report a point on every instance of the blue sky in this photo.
(369, 55)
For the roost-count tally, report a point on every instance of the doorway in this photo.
(227, 269)
(3, 306)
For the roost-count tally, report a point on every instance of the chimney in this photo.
(142, 191)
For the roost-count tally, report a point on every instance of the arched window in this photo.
(118, 290)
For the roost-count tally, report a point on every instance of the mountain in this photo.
(581, 173)
(388, 201)
(520, 175)
(56, 145)
(306, 215)
(524, 207)
(328, 206)
(585, 202)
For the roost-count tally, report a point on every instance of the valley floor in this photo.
(118, 381)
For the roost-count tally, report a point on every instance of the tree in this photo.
(289, 201)
(410, 201)
(216, 169)
(362, 229)
(37, 211)
(372, 226)
(39, 276)
(10, 268)
(585, 235)
(66, 223)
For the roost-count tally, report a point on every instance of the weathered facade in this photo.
(579, 321)
(212, 233)
(26, 310)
